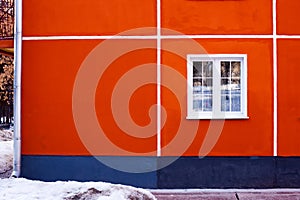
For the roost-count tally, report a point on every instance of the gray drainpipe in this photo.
(17, 88)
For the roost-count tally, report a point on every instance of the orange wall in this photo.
(48, 76)
(50, 68)
(252, 136)
(49, 71)
(139, 103)
(92, 17)
(288, 81)
(47, 99)
(288, 17)
(288, 98)
(218, 17)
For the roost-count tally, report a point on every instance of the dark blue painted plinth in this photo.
(185, 172)
(87, 168)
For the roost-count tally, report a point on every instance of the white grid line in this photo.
(287, 36)
(155, 37)
(275, 79)
(99, 37)
(217, 36)
(158, 48)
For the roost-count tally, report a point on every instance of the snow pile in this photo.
(6, 153)
(6, 158)
(6, 135)
(26, 189)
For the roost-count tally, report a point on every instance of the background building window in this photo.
(217, 86)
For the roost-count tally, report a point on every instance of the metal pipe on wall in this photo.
(17, 88)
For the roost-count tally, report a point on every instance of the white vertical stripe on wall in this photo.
(158, 39)
(275, 101)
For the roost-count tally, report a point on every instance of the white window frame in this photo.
(216, 112)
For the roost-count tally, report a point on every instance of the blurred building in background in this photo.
(6, 61)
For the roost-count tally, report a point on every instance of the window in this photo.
(217, 86)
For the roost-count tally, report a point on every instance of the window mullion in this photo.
(230, 90)
(216, 89)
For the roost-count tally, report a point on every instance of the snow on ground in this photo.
(6, 153)
(6, 135)
(6, 158)
(20, 189)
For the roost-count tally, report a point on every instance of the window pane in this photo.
(225, 69)
(207, 86)
(207, 103)
(197, 74)
(197, 102)
(236, 73)
(225, 92)
(207, 69)
(208, 82)
(225, 102)
(202, 85)
(236, 69)
(230, 86)
(236, 81)
(236, 100)
(225, 82)
(197, 83)
(197, 69)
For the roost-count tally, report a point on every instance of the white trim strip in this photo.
(275, 79)
(189, 191)
(217, 36)
(154, 37)
(288, 36)
(158, 29)
(103, 37)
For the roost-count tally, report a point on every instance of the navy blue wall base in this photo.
(185, 172)
(85, 168)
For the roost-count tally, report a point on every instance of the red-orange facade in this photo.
(59, 37)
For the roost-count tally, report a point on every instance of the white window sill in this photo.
(217, 117)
